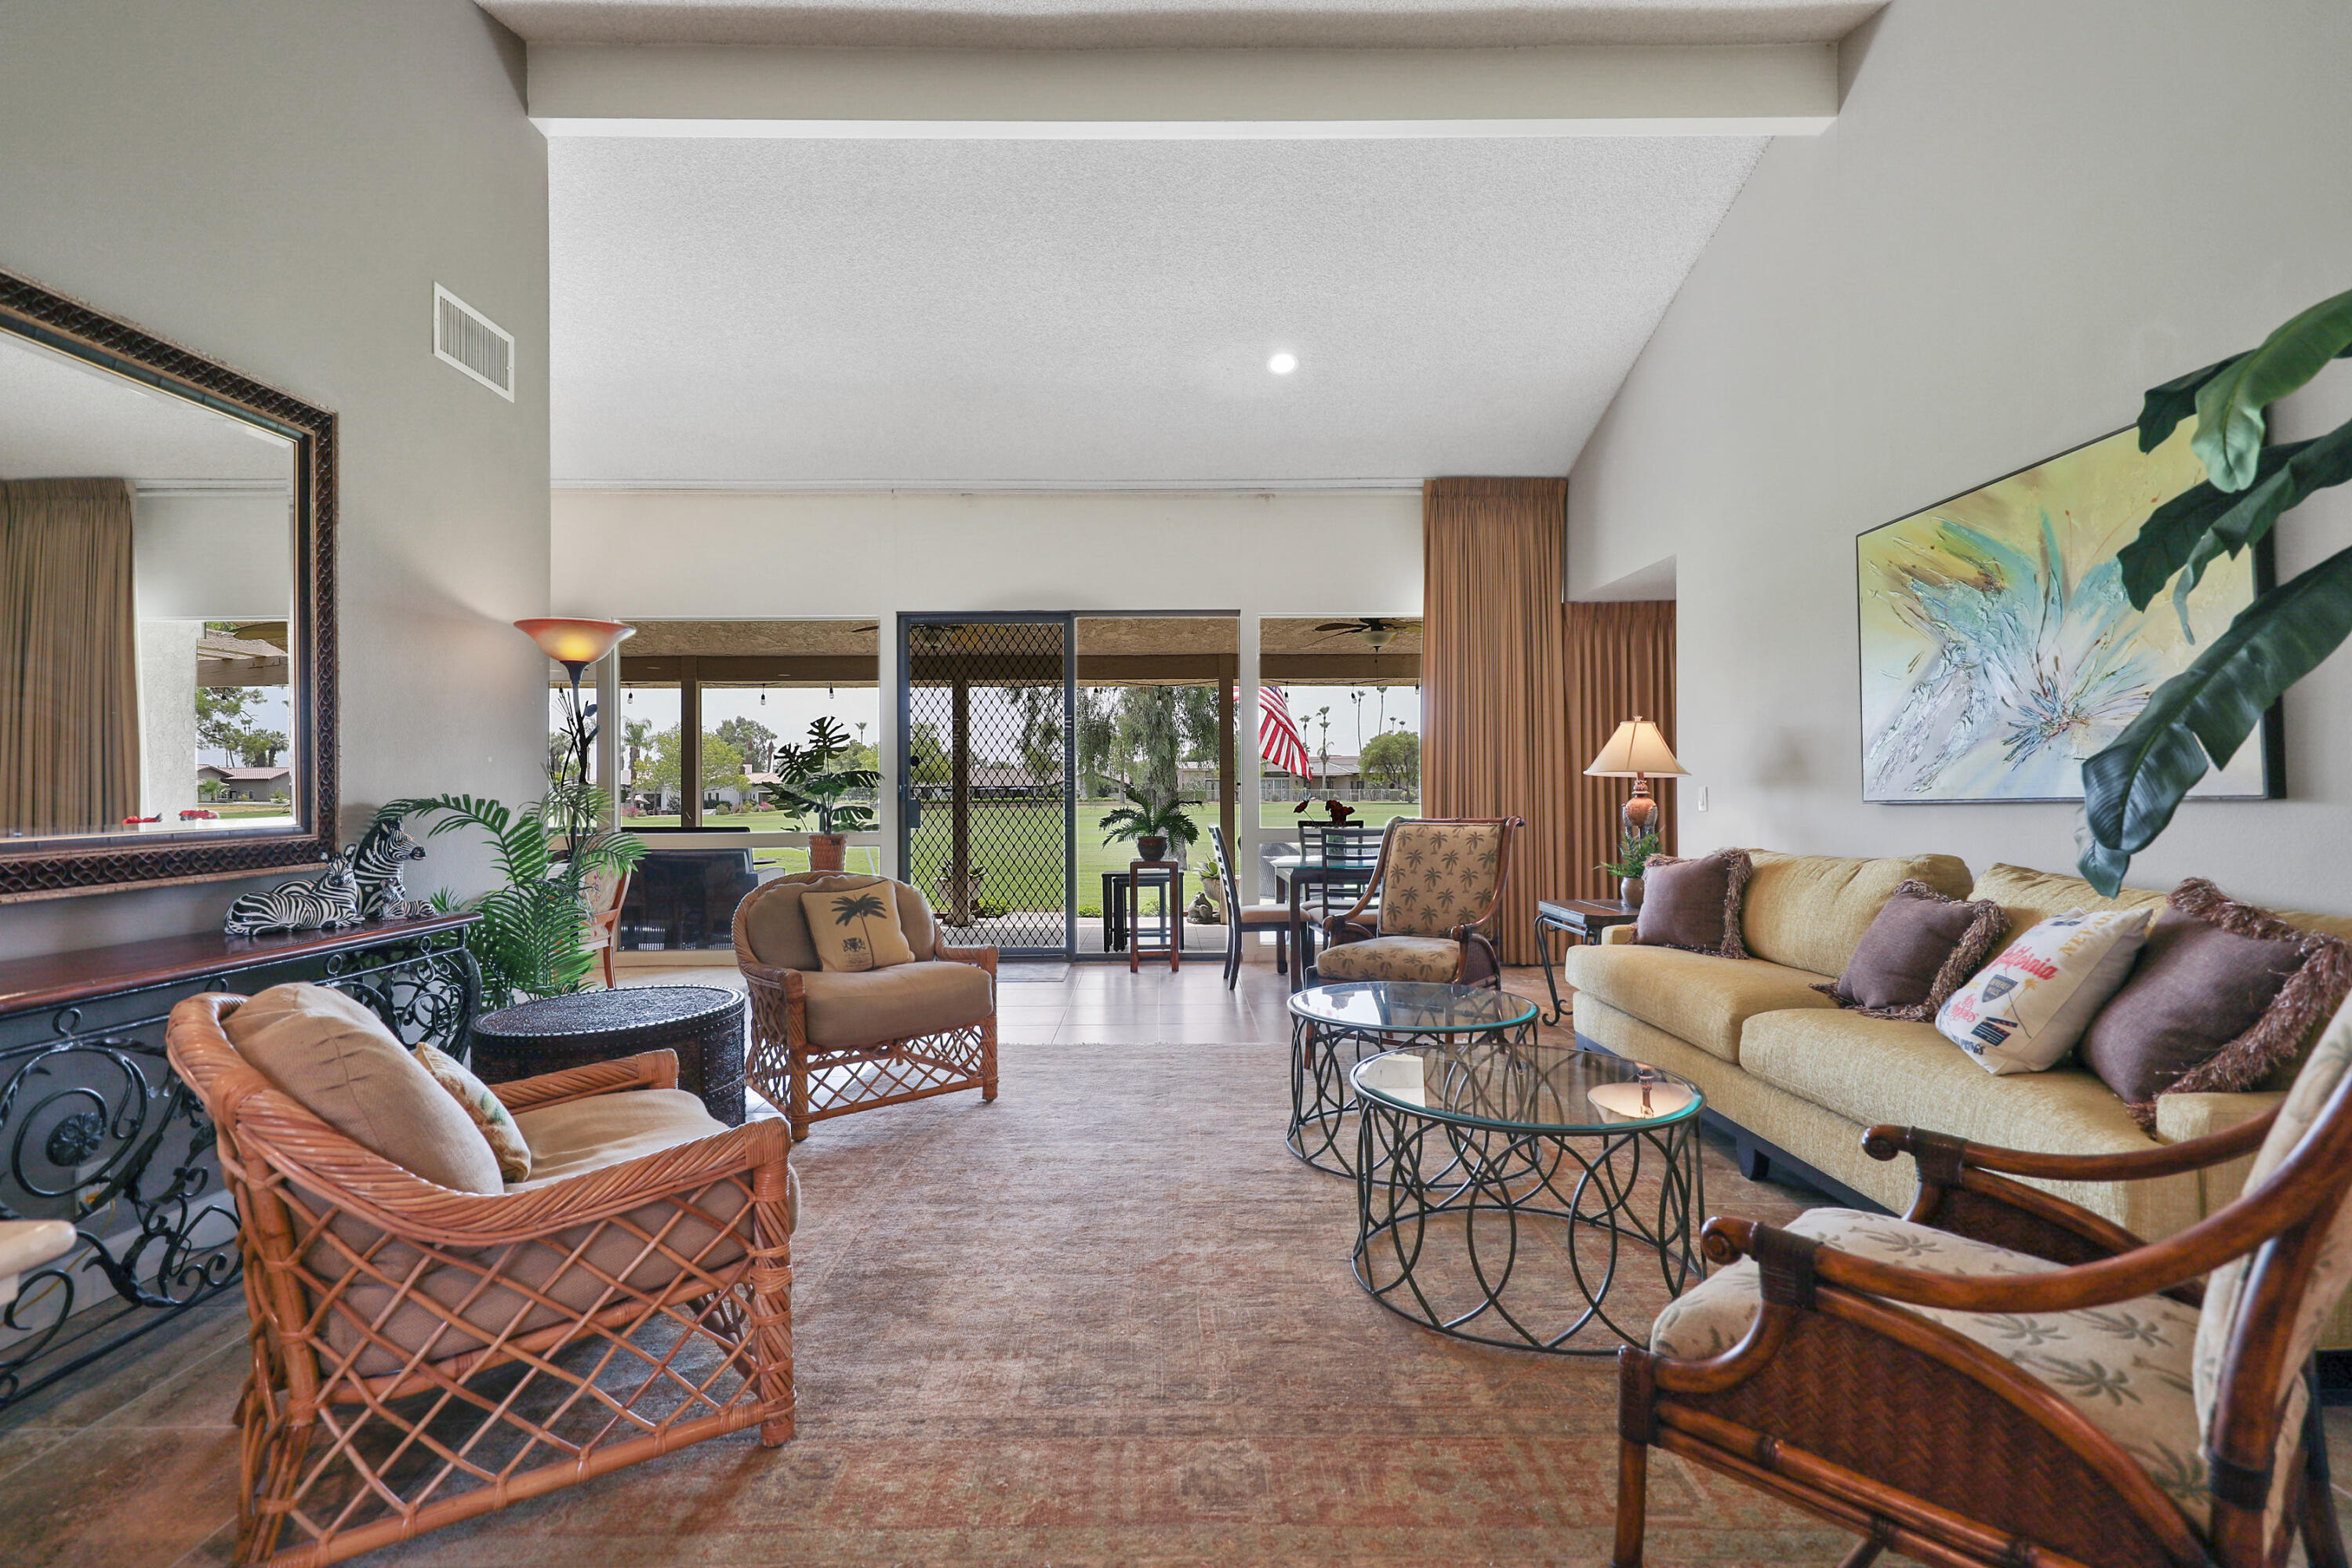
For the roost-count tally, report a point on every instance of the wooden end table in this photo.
(1168, 876)
(1582, 918)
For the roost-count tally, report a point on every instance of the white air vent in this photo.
(464, 337)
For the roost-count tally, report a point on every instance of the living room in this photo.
(790, 918)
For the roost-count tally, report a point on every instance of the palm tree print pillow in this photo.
(857, 928)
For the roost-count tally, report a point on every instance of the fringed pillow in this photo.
(1918, 949)
(1695, 904)
(2222, 993)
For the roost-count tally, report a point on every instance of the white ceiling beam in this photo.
(1775, 89)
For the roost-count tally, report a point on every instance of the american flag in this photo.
(1278, 740)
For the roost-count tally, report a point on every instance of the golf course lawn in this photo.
(1017, 845)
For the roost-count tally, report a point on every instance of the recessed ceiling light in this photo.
(1283, 363)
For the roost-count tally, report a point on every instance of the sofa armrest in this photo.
(1617, 936)
(2182, 1117)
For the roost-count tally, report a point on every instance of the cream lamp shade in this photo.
(1636, 751)
(575, 644)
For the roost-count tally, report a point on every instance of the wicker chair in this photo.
(1439, 880)
(601, 931)
(826, 1043)
(2047, 1389)
(422, 1355)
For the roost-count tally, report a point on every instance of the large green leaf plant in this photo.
(2200, 716)
(527, 941)
(807, 782)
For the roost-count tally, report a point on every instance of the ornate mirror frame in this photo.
(57, 867)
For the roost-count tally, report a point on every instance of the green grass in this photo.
(1019, 846)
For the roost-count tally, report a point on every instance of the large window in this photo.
(1351, 686)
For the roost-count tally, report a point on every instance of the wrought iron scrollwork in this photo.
(98, 1131)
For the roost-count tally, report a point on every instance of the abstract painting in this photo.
(1998, 648)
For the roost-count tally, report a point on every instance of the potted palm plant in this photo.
(808, 783)
(1151, 821)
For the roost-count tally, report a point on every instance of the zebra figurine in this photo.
(328, 901)
(383, 895)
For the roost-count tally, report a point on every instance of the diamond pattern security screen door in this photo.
(988, 785)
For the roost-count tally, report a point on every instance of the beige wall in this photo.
(2025, 215)
(279, 184)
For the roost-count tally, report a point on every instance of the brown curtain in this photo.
(1494, 670)
(1621, 665)
(68, 657)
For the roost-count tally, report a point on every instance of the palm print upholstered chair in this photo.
(2000, 1377)
(433, 1337)
(826, 1043)
(1439, 882)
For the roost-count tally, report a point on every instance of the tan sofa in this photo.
(1798, 1079)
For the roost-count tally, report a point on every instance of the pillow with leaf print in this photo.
(857, 928)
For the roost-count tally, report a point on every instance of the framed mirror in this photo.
(167, 646)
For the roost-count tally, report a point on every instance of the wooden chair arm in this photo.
(1339, 930)
(2147, 1271)
(405, 1205)
(647, 1069)
(1940, 1152)
(979, 957)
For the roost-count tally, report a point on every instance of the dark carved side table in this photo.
(1582, 918)
(97, 1131)
(703, 1023)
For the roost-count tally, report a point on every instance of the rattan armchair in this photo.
(2051, 1390)
(421, 1355)
(1437, 887)
(826, 1043)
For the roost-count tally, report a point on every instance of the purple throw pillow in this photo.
(1917, 951)
(1695, 904)
(2222, 994)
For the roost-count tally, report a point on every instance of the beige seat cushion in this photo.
(1696, 997)
(1809, 912)
(335, 1056)
(1873, 1070)
(1391, 958)
(897, 1003)
(567, 1140)
(2125, 1367)
(777, 928)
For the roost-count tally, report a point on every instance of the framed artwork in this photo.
(1999, 650)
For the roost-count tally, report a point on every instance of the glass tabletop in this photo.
(1531, 1088)
(1416, 1006)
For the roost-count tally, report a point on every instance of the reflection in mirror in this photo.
(147, 550)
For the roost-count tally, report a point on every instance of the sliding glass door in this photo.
(987, 782)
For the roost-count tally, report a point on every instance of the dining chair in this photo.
(1241, 919)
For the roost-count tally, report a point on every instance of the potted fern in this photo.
(1153, 822)
(808, 783)
(527, 941)
(1635, 847)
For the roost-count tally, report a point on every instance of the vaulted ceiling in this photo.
(799, 312)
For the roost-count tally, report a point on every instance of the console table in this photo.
(98, 1132)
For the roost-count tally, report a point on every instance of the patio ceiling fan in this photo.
(1378, 631)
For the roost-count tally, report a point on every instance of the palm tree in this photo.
(857, 909)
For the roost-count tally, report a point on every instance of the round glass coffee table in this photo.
(1502, 1190)
(1334, 1026)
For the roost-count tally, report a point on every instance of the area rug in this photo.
(1109, 1320)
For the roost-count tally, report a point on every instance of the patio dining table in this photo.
(1293, 874)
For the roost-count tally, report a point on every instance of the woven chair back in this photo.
(771, 927)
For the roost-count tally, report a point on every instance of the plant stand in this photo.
(1168, 876)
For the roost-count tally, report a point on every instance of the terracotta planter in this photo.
(825, 851)
(1153, 848)
(1628, 892)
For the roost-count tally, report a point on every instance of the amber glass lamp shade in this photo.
(575, 644)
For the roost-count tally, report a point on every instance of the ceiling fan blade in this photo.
(1340, 627)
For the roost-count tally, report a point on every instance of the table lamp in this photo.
(1637, 752)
